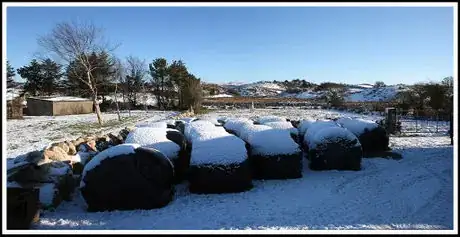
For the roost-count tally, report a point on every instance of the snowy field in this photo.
(36, 132)
(415, 192)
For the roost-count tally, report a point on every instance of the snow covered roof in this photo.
(60, 98)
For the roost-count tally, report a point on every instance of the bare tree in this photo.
(118, 79)
(75, 42)
(136, 69)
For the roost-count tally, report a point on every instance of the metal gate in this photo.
(424, 122)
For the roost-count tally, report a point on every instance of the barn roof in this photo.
(61, 98)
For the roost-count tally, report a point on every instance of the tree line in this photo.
(88, 67)
(437, 96)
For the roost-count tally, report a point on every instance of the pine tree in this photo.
(178, 74)
(159, 72)
(102, 76)
(10, 73)
(33, 76)
(52, 74)
(134, 79)
(192, 92)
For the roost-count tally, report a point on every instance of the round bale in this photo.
(334, 148)
(371, 135)
(127, 177)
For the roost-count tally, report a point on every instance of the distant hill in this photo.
(303, 90)
(300, 89)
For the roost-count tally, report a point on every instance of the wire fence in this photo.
(424, 122)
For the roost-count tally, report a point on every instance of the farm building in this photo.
(52, 106)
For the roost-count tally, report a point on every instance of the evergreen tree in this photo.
(10, 73)
(51, 72)
(178, 74)
(159, 72)
(101, 77)
(33, 76)
(134, 79)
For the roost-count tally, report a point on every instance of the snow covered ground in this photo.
(36, 132)
(415, 192)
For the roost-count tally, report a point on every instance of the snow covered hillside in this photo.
(415, 192)
(372, 94)
(258, 89)
(353, 93)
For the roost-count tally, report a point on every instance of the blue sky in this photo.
(340, 44)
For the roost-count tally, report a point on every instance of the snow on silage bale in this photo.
(187, 120)
(303, 126)
(222, 120)
(248, 129)
(213, 120)
(182, 164)
(219, 162)
(159, 124)
(273, 153)
(154, 138)
(180, 124)
(170, 123)
(285, 126)
(268, 119)
(310, 128)
(333, 147)
(235, 125)
(127, 177)
(196, 128)
(191, 130)
(373, 137)
(157, 138)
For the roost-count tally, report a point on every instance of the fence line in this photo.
(426, 121)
